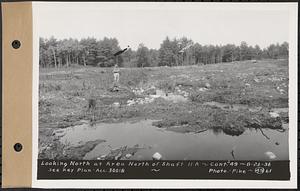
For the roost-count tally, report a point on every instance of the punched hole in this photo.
(16, 44)
(18, 147)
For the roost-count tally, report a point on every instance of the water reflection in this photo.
(217, 131)
(212, 144)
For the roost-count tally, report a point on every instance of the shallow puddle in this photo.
(208, 145)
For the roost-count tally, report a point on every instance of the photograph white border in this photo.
(167, 183)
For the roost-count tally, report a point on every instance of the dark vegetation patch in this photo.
(230, 122)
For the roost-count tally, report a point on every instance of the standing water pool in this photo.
(208, 145)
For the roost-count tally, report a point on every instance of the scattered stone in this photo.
(270, 155)
(281, 91)
(114, 89)
(119, 155)
(116, 104)
(202, 89)
(274, 114)
(102, 157)
(138, 91)
(157, 156)
(130, 102)
(207, 85)
(128, 155)
(276, 143)
(122, 152)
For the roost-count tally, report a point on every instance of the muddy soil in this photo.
(51, 148)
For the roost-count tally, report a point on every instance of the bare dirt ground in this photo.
(227, 96)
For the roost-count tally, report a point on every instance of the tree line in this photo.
(172, 52)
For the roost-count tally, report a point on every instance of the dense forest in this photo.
(172, 52)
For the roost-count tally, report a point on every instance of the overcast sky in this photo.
(150, 23)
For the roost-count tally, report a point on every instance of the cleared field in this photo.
(229, 97)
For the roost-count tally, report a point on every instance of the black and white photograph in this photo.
(163, 82)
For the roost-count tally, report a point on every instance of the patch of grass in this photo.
(48, 87)
(166, 85)
(64, 92)
(134, 77)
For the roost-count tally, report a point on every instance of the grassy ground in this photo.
(68, 96)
